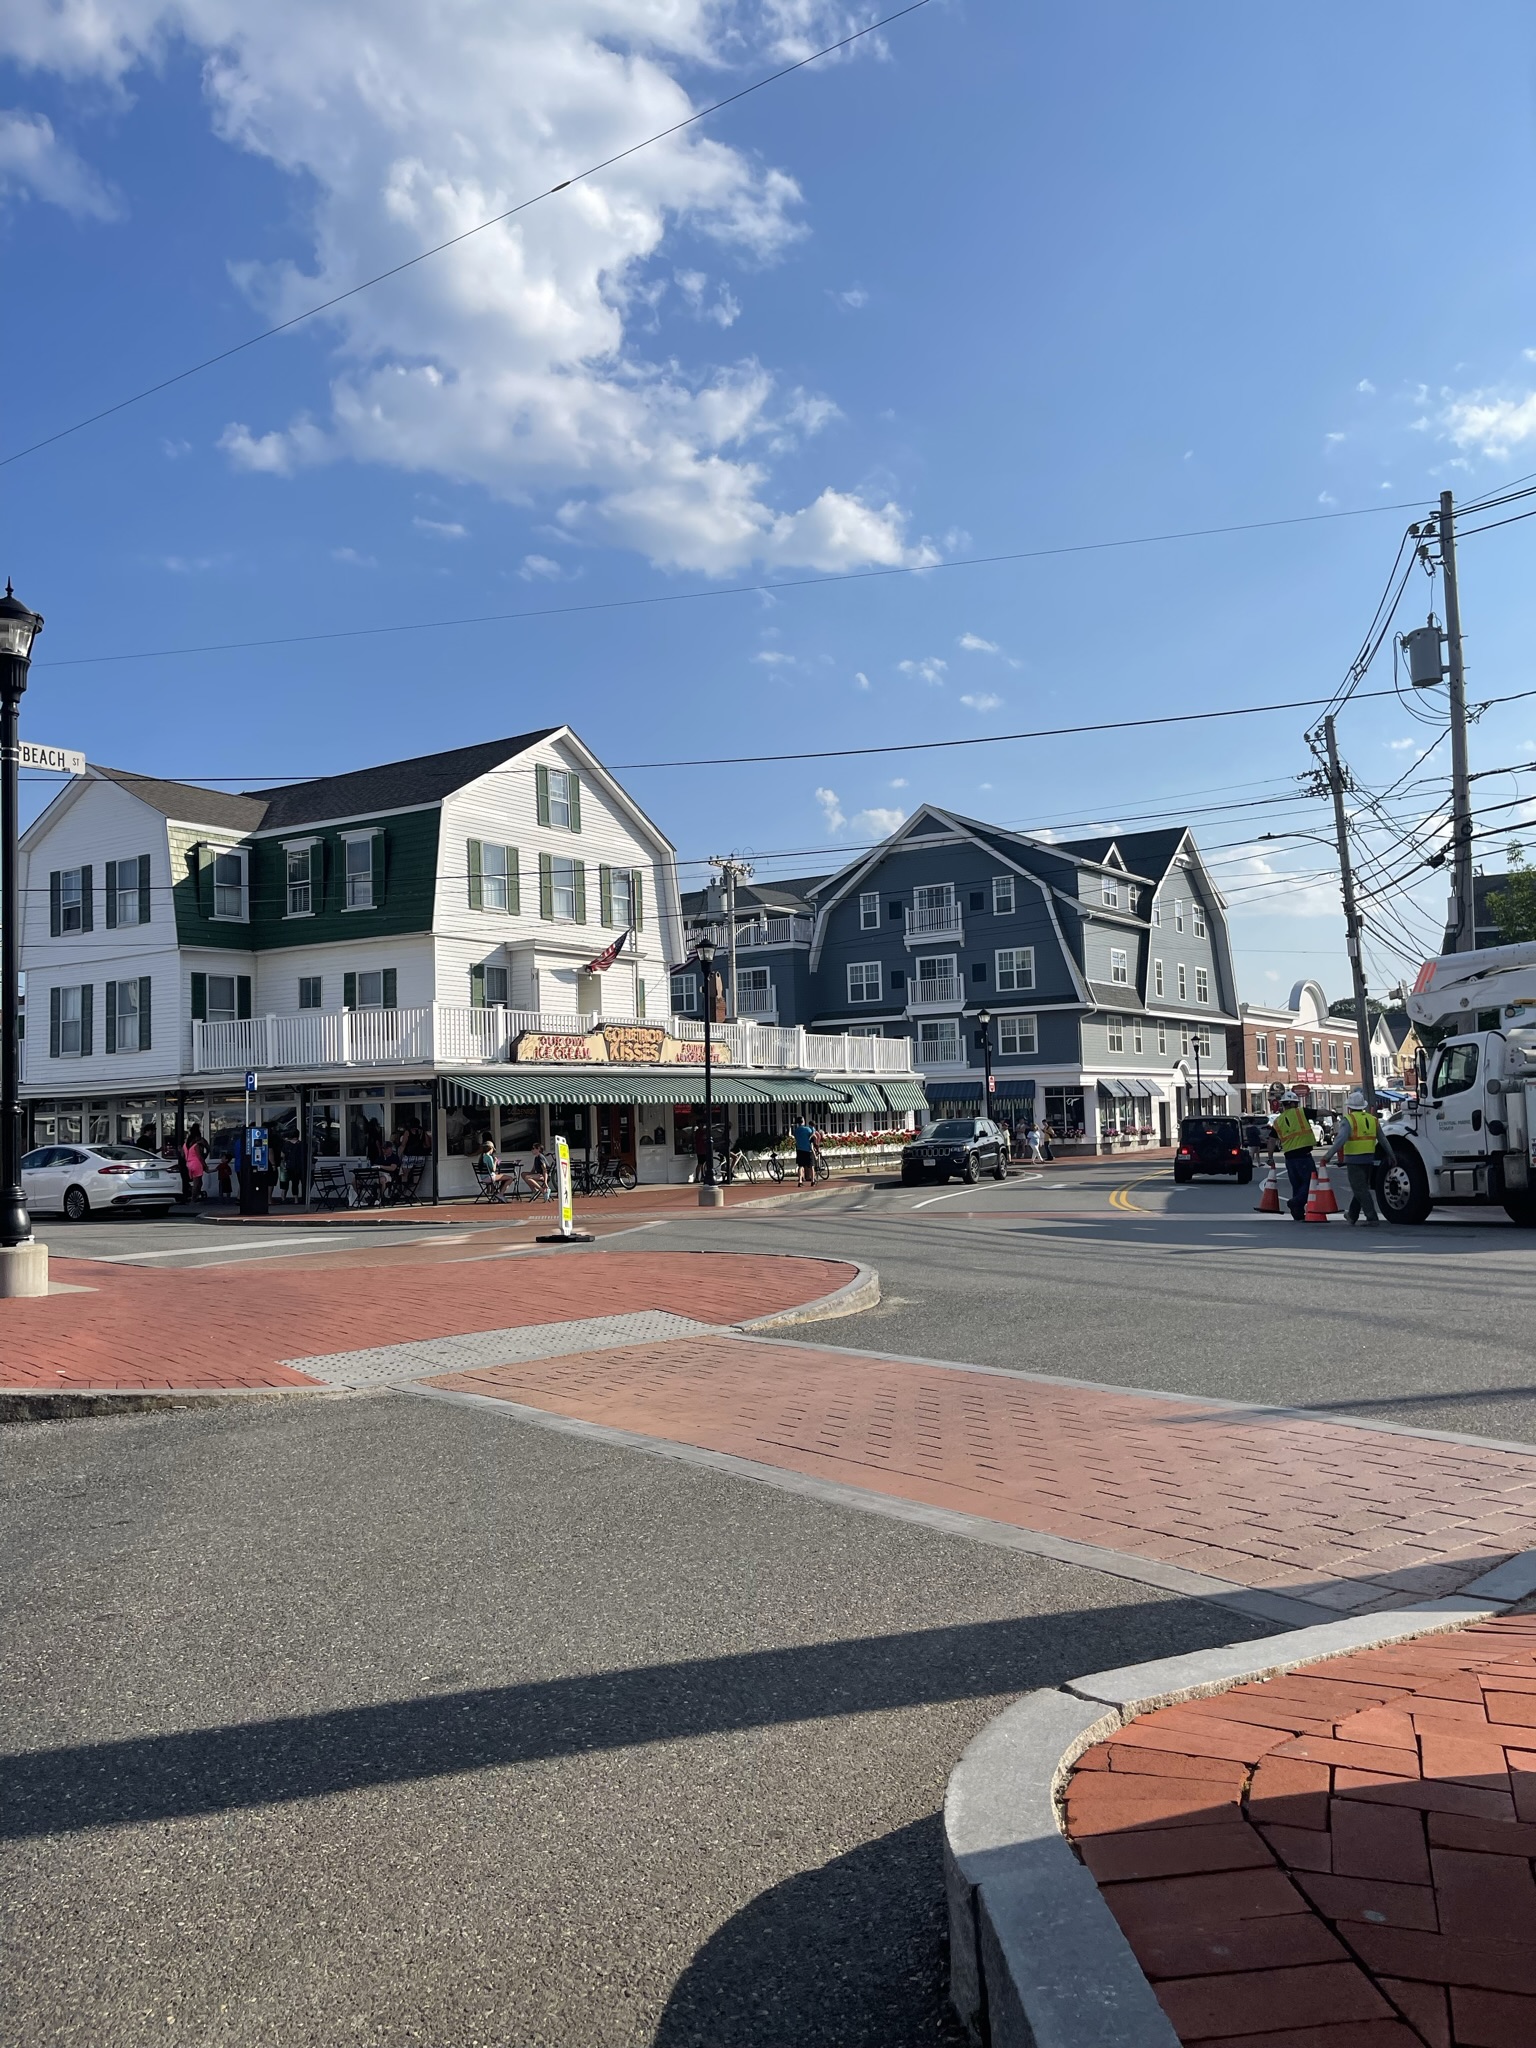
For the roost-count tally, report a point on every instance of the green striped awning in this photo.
(904, 1094)
(647, 1086)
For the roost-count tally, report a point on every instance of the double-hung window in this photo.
(309, 991)
(1317, 1055)
(1197, 912)
(938, 1042)
(1002, 895)
(864, 981)
(1183, 982)
(621, 898)
(1280, 1054)
(685, 994)
(1116, 1029)
(372, 989)
(562, 883)
(561, 802)
(1157, 913)
(869, 910)
(72, 900)
(1133, 898)
(1261, 1051)
(300, 881)
(1017, 1035)
(127, 1016)
(495, 988)
(1109, 892)
(1203, 1040)
(1178, 913)
(1119, 966)
(1162, 1035)
(222, 999)
(1136, 1037)
(229, 891)
(1015, 969)
(358, 870)
(493, 876)
(1202, 986)
(1333, 1056)
(71, 1023)
(1157, 977)
(127, 880)
(1349, 1057)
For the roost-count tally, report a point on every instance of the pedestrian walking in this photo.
(805, 1153)
(1359, 1140)
(1032, 1139)
(1297, 1139)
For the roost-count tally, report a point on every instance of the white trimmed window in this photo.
(864, 981)
(869, 911)
(1162, 1035)
(301, 884)
(1203, 1040)
(1015, 969)
(1002, 895)
(123, 999)
(1018, 1035)
(1115, 1026)
(1157, 913)
(230, 897)
(370, 989)
(621, 898)
(72, 900)
(1280, 1054)
(938, 1042)
(1133, 898)
(1202, 986)
(1333, 1056)
(221, 999)
(130, 873)
(1349, 1058)
(1119, 967)
(1136, 1038)
(71, 1022)
(1261, 1051)
(496, 988)
(358, 859)
(309, 991)
(560, 806)
(685, 994)
(1183, 982)
(1109, 892)
(493, 876)
(562, 884)
(1157, 977)
(1197, 913)
(1178, 913)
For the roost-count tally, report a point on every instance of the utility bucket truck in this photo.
(1471, 1136)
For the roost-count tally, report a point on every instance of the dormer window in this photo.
(230, 895)
(1109, 892)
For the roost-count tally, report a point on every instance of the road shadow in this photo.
(852, 1955)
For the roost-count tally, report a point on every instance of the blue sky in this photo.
(1016, 278)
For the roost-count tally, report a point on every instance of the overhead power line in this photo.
(423, 255)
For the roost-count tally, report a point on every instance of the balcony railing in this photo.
(942, 921)
(756, 1002)
(461, 1035)
(939, 993)
(776, 931)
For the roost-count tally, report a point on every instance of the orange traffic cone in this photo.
(1320, 1203)
(1269, 1195)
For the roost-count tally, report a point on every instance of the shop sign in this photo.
(623, 1045)
(555, 1046)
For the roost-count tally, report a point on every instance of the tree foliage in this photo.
(1513, 907)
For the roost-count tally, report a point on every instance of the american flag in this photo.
(609, 954)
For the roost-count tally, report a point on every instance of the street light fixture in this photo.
(710, 1196)
(984, 1019)
(18, 629)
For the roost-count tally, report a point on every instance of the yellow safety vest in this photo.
(1294, 1131)
(1364, 1131)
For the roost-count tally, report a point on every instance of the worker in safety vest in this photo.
(1359, 1140)
(1293, 1129)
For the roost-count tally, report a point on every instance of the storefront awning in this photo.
(639, 1086)
(1140, 1088)
(1015, 1087)
(861, 1095)
(1117, 1089)
(902, 1095)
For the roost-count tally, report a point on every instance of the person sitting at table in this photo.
(537, 1175)
(488, 1167)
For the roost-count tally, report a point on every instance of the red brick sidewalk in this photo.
(1338, 1858)
(229, 1326)
(1354, 1518)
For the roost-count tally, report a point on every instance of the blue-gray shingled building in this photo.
(1104, 966)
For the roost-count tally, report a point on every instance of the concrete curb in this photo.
(1037, 1960)
(17, 1405)
(861, 1292)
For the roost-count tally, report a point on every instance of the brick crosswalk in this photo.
(1341, 1857)
(1350, 1518)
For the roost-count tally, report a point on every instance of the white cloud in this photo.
(353, 559)
(982, 701)
(1366, 387)
(443, 529)
(193, 565)
(173, 449)
(974, 644)
(860, 680)
(1400, 746)
(515, 361)
(932, 670)
(831, 809)
(898, 782)
(35, 164)
(1333, 439)
(770, 657)
(1326, 498)
(1489, 423)
(724, 309)
(541, 568)
(874, 823)
(855, 298)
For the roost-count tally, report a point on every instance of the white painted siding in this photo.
(277, 974)
(100, 822)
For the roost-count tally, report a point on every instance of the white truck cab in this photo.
(1471, 1136)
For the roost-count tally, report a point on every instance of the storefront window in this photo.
(521, 1128)
(98, 1124)
(365, 1123)
(568, 1120)
(224, 1123)
(325, 1125)
(1064, 1112)
(411, 1123)
(465, 1127)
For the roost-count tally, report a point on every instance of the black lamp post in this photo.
(18, 629)
(984, 1019)
(705, 951)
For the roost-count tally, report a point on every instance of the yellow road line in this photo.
(1121, 1198)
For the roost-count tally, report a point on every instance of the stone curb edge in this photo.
(861, 1292)
(19, 1405)
(1037, 1960)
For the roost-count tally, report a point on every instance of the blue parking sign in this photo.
(250, 1084)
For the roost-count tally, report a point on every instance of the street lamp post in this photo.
(984, 1019)
(23, 1262)
(711, 1196)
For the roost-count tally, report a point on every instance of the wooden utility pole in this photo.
(1337, 783)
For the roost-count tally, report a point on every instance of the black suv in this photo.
(1212, 1144)
(960, 1144)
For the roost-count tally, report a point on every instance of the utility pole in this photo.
(732, 870)
(1462, 885)
(1337, 784)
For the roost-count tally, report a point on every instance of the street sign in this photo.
(250, 1084)
(62, 760)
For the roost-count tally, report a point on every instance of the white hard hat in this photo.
(1356, 1099)
(1290, 1095)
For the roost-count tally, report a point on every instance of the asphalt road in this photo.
(396, 1722)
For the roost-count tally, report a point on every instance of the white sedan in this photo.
(80, 1178)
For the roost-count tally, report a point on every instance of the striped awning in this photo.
(904, 1094)
(649, 1087)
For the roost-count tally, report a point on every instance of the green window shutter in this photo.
(514, 883)
(477, 987)
(574, 785)
(87, 906)
(581, 892)
(541, 786)
(111, 1016)
(55, 911)
(380, 851)
(605, 894)
(476, 878)
(199, 998)
(144, 991)
(391, 988)
(202, 858)
(143, 898)
(242, 995)
(637, 897)
(639, 997)
(87, 1004)
(54, 997)
(349, 991)
(546, 888)
(111, 900)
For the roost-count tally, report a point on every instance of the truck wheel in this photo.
(1404, 1189)
(1522, 1213)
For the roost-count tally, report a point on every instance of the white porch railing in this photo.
(458, 1034)
(756, 1002)
(943, 990)
(940, 921)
